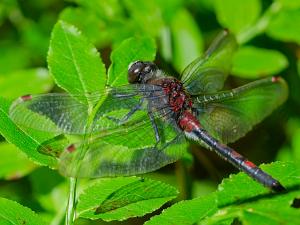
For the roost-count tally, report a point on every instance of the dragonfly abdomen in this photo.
(188, 122)
(237, 160)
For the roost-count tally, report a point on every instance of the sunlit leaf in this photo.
(256, 205)
(107, 10)
(186, 212)
(169, 7)
(284, 26)
(74, 62)
(252, 62)
(144, 13)
(16, 214)
(237, 15)
(291, 4)
(18, 83)
(187, 39)
(130, 50)
(13, 162)
(93, 27)
(240, 197)
(122, 198)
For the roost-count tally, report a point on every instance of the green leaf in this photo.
(291, 151)
(93, 27)
(35, 39)
(132, 49)
(13, 162)
(187, 39)
(289, 4)
(13, 57)
(252, 62)
(23, 82)
(284, 26)
(108, 10)
(123, 197)
(186, 212)
(28, 141)
(105, 21)
(51, 193)
(237, 15)
(168, 8)
(74, 61)
(16, 214)
(256, 205)
(145, 15)
(239, 197)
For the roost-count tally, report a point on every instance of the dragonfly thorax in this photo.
(179, 100)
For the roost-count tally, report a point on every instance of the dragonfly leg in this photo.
(157, 137)
(128, 115)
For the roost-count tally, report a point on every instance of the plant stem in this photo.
(261, 25)
(70, 214)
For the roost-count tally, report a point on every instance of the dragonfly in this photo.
(143, 126)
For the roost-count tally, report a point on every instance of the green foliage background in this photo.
(122, 31)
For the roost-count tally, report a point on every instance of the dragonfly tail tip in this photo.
(277, 187)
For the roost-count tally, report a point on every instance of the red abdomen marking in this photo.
(188, 122)
(250, 164)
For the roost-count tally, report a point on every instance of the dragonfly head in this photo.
(141, 72)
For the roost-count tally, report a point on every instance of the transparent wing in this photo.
(117, 138)
(63, 113)
(208, 73)
(129, 152)
(229, 115)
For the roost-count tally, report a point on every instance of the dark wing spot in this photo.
(26, 97)
(275, 79)
(71, 148)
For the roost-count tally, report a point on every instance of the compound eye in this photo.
(134, 71)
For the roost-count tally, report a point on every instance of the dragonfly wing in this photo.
(57, 112)
(229, 115)
(63, 113)
(124, 152)
(208, 73)
(115, 138)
